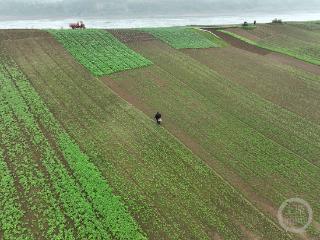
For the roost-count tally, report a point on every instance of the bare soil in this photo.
(16, 34)
(127, 36)
(238, 43)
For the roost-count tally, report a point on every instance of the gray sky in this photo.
(26, 9)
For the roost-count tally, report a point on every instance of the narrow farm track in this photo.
(264, 144)
(169, 191)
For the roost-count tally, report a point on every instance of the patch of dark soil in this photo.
(126, 36)
(238, 43)
(15, 34)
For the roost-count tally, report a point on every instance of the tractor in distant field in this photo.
(78, 25)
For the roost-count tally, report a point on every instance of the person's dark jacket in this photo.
(157, 116)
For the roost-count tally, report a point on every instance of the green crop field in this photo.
(81, 156)
(99, 51)
(181, 37)
(297, 40)
(44, 171)
(170, 191)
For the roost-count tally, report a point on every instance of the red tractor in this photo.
(78, 25)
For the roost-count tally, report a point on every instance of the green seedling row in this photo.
(181, 37)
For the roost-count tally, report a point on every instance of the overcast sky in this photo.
(28, 9)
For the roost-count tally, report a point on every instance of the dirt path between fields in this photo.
(238, 43)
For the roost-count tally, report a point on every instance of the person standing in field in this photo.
(158, 117)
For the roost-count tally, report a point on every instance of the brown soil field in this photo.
(238, 43)
(127, 36)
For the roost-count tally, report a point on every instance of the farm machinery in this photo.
(78, 25)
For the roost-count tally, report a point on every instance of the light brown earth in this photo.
(238, 43)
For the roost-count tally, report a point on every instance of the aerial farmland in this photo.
(235, 157)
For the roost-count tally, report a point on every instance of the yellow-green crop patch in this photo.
(99, 51)
(182, 37)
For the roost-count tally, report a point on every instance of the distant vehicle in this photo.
(245, 24)
(78, 25)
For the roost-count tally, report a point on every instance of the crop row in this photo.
(11, 212)
(65, 192)
(181, 37)
(99, 51)
(34, 190)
